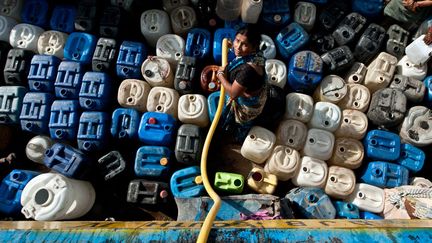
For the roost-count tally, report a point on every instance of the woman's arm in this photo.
(235, 89)
(423, 3)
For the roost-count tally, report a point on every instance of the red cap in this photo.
(152, 120)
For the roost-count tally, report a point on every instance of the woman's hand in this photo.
(428, 37)
(410, 5)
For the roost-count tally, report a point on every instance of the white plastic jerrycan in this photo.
(357, 98)
(354, 125)
(258, 144)
(36, 147)
(367, 197)
(228, 9)
(356, 74)
(6, 25)
(158, 72)
(326, 116)
(340, 182)
(164, 100)
(291, 133)
(276, 72)
(52, 43)
(154, 24)
(268, 47)
(348, 153)
(183, 18)
(380, 72)
(251, 10)
(420, 182)
(133, 93)
(283, 162)
(171, 47)
(408, 68)
(331, 89)
(192, 109)
(418, 52)
(261, 181)
(25, 36)
(299, 106)
(52, 196)
(319, 144)
(311, 172)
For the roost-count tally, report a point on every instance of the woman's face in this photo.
(241, 46)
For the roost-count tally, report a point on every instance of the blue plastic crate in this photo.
(130, 58)
(385, 174)
(63, 18)
(67, 160)
(382, 145)
(368, 8)
(305, 71)
(92, 130)
(189, 144)
(11, 189)
(428, 94)
(198, 43)
(11, 100)
(36, 111)
(68, 81)
(64, 119)
(184, 182)
(275, 13)
(290, 40)
(312, 203)
(345, 210)
(411, 157)
(43, 72)
(219, 35)
(157, 128)
(152, 161)
(125, 123)
(95, 91)
(369, 216)
(80, 47)
(35, 12)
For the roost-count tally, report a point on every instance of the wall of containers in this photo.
(105, 105)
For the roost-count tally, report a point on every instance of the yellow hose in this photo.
(208, 222)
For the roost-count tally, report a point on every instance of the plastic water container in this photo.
(209, 82)
(370, 9)
(428, 93)
(348, 153)
(105, 55)
(250, 10)
(67, 160)
(319, 144)
(420, 182)
(229, 182)
(157, 128)
(152, 161)
(321, 42)
(326, 116)
(112, 165)
(185, 75)
(338, 59)
(354, 124)
(35, 112)
(261, 181)
(290, 40)
(64, 119)
(52, 196)
(416, 127)
(291, 133)
(52, 43)
(340, 182)
(331, 89)
(267, 47)
(283, 162)
(95, 91)
(219, 35)
(418, 52)
(387, 107)
(346, 210)
(62, 18)
(382, 145)
(275, 13)
(11, 189)
(187, 182)
(192, 109)
(305, 15)
(368, 198)
(11, 98)
(228, 9)
(258, 144)
(154, 24)
(411, 157)
(80, 47)
(397, 40)
(312, 203)
(158, 72)
(68, 81)
(380, 72)
(11, 9)
(35, 12)
(299, 106)
(407, 68)
(312, 172)
(85, 19)
(125, 123)
(111, 21)
(369, 216)
(165, 100)
(370, 43)
(350, 26)
(147, 192)
(130, 58)
(189, 144)
(413, 89)
(198, 43)
(305, 71)
(333, 14)
(183, 19)
(43, 72)
(276, 72)
(212, 103)
(92, 131)
(385, 174)
(25, 36)
(6, 25)
(171, 47)
(17, 66)
(133, 93)
(36, 147)
(357, 98)
(356, 73)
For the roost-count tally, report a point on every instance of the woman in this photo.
(408, 12)
(244, 82)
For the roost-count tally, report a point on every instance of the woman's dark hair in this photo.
(252, 34)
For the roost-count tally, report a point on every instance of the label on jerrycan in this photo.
(133, 93)
(354, 124)
(311, 173)
(348, 153)
(52, 43)
(340, 182)
(283, 162)
(367, 197)
(416, 127)
(154, 24)
(35, 112)
(319, 144)
(125, 123)
(292, 133)
(258, 144)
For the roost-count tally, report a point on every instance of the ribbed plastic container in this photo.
(291, 133)
(152, 161)
(11, 98)
(354, 124)
(64, 119)
(348, 153)
(105, 55)
(80, 47)
(408, 68)
(189, 144)
(93, 130)
(380, 72)
(187, 182)
(157, 128)
(43, 72)
(305, 14)
(130, 58)
(299, 107)
(35, 112)
(357, 98)
(327, 116)
(183, 19)
(331, 89)
(95, 92)
(68, 81)
(68, 161)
